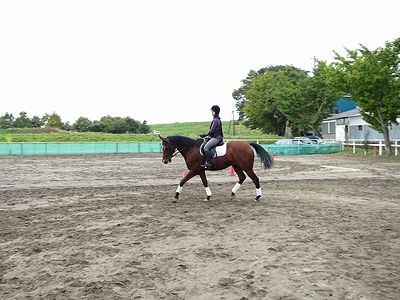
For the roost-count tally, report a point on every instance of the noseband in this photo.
(170, 149)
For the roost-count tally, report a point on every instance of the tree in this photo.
(144, 128)
(82, 124)
(37, 122)
(263, 96)
(114, 124)
(373, 79)
(97, 126)
(132, 126)
(6, 121)
(239, 94)
(53, 120)
(22, 121)
(312, 100)
(67, 126)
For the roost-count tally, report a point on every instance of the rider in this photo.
(215, 134)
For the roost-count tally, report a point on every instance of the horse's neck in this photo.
(182, 148)
(185, 149)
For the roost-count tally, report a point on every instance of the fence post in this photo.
(380, 147)
(395, 147)
(354, 146)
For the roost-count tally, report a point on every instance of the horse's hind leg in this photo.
(241, 176)
(256, 181)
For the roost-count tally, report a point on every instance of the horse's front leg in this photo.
(179, 190)
(203, 177)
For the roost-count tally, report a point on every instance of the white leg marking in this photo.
(179, 189)
(236, 187)
(258, 192)
(208, 191)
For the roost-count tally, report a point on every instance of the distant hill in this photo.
(190, 129)
(193, 129)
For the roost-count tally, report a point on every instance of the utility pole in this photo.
(233, 117)
(232, 121)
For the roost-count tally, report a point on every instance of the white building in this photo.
(350, 125)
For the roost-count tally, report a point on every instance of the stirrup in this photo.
(206, 165)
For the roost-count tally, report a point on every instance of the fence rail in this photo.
(378, 146)
(145, 147)
(77, 148)
(303, 149)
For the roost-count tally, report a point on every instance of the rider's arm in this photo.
(214, 127)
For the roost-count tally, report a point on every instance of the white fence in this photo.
(377, 145)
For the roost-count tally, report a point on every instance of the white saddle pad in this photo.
(220, 150)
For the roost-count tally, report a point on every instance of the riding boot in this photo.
(207, 164)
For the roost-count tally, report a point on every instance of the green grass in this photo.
(195, 128)
(187, 129)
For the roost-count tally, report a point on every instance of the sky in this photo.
(167, 61)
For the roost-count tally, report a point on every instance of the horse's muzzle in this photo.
(165, 161)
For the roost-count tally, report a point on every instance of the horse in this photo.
(239, 155)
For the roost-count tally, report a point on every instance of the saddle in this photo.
(219, 150)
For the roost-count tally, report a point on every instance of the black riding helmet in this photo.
(216, 109)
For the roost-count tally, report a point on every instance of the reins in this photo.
(175, 153)
(178, 151)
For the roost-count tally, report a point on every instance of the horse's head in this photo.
(168, 149)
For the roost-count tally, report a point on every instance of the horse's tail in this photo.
(266, 159)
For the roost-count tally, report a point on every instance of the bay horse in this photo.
(239, 155)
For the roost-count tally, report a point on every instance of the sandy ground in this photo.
(104, 227)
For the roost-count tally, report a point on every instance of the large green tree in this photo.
(308, 101)
(373, 79)
(285, 99)
(22, 121)
(260, 107)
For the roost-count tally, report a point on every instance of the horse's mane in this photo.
(178, 139)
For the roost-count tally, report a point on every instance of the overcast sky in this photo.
(167, 61)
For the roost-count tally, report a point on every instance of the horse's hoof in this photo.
(208, 198)
(257, 199)
(176, 198)
(233, 196)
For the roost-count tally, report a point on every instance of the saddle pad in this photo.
(220, 150)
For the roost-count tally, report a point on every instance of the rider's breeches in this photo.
(211, 143)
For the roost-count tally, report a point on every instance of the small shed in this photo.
(350, 125)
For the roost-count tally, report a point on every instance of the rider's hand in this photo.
(203, 135)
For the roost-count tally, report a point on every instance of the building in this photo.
(350, 125)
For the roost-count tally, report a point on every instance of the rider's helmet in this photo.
(216, 109)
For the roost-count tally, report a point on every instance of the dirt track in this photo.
(103, 227)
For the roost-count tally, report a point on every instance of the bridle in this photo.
(173, 151)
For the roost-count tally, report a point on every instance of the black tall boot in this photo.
(207, 164)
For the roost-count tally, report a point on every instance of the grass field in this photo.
(187, 129)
